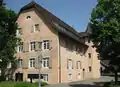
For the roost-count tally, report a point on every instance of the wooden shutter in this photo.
(37, 46)
(67, 63)
(26, 47)
(50, 44)
(50, 62)
(25, 63)
(32, 29)
(72, 64)
(36, 63)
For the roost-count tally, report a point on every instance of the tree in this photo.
(105, 32)
(8, 40)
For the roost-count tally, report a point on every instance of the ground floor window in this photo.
(44, 77)
(36, 76)
(70, 76)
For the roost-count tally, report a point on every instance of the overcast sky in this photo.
(74, 12)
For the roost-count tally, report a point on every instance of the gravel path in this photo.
(86, 83)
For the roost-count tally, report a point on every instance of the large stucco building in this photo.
(65, 57)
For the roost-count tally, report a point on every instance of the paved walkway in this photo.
(86, 83)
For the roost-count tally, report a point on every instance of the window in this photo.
(70, 64)
(36, 27)
(32, 46)
(20, 63)
(79, 65)
(90, 68)
(45, 62)
(32, 62)
(44, 77)
(28, 17)
(70, 76)
(46, 44)
(19, 32)
(20, 47)
(89, 55)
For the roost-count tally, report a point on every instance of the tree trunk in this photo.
(116, 77)
(2, 77)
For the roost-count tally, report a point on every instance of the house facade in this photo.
(53, 47)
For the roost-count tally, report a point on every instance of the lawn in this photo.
(20, 84)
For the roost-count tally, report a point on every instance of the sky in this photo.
(76, 13)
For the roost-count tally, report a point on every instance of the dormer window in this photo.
(28, 17)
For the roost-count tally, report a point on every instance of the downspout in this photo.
(59, 61)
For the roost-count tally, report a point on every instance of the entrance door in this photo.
(19, 77)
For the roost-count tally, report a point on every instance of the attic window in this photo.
(28, 17)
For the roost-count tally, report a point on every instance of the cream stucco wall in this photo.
(78, 74)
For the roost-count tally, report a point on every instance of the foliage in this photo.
(105, 25)
(111, 84)
(20, 84)
(8, 39)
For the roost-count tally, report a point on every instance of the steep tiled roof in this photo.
(86, 33)
(54, 21)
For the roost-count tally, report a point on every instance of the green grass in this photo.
(20, 84)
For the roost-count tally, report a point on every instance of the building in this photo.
(64, 56)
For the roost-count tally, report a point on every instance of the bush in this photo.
(20, 84)
(111, 84)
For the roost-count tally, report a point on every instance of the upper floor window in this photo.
(70, 64)
(20, 47)
(45, 62)
(32, 46)
(90, 68)
(46, 44)
(89, 55)
(32, 62)
(20, 63)
(36, 27)
(19, 31)
(28, 17)
(79, 65)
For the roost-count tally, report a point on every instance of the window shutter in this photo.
(17, 62)
(25, 47)
(36, 63)
(50, 44)
(32, 29)
(50, 62)
(67, 63)
(25, 63)
(72, 64)
(37, 46)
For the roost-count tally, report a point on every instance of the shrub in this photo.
(20, 84)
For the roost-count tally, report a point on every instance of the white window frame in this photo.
(36, 27)
(70, 76)
(32, 60)
(79, 65)
(70, 64)
(20, 48)
(46, 44)
(45, 77)
(30, 46)
(45, 61)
